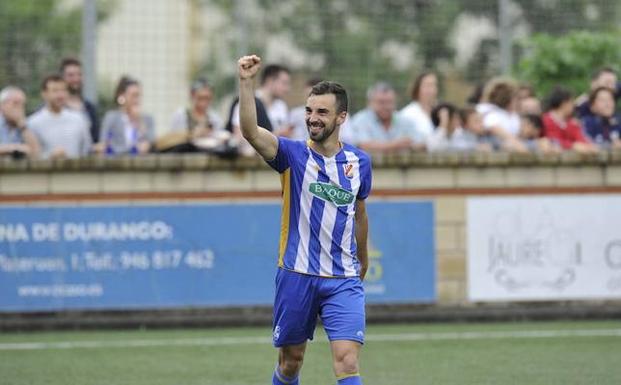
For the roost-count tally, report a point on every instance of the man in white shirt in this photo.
(62, 133)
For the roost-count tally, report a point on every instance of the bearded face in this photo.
(321, 117)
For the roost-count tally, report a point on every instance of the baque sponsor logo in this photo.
(331, 193)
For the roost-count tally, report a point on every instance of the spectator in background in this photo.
(527, 102)
(560, 126)
(603, 125)
(127, 130)
(61, 132)
(603, 77)
(15, 137)
(71, 71)
(531, 134)
(477, 137)
(199, 120)
(424, 97)
(379, 128)
(272, 111)
(448, 134)
(498, 109)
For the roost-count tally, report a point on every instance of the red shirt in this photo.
(564, 133)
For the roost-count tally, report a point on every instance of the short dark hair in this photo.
(327, 87)
(557, 97)
(312, 81)
(418, 82)
(272, 71)
(52, 78)
(435, 112)
(69, 61)
(534, 120)
(593, 94)
(601, 71)
(124, 83)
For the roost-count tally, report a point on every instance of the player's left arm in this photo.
(362, 230)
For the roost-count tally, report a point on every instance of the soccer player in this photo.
(323, 245)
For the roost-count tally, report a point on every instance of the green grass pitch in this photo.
(545, 353)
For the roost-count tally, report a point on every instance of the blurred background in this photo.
(166, 44)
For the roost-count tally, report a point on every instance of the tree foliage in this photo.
(568, 60)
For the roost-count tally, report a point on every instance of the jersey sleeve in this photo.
(365, 178)
(282, 160)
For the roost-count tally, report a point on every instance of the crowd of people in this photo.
(500, 115)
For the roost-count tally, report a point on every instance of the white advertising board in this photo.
(544, 247)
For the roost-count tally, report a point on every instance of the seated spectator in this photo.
(379, 128)
(198, 127)
(424, 97)
(531, 132)
(71, 71)
(126, 130)
(603, 77)
(498, 109)
(15, 137)
(477, 137)
(61, 132)
(603, 126)
(448, 134)
(560, 126)
(527, 102)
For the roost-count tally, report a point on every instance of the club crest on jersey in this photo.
(348, 170)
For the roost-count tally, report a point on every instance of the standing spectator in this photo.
(71, 71)
(424, 97)
(379, 128)
(272, 111)
(603, 77)
(560, 126)
(126, 130)
(603, 126)
(498, 109)
(61, 132)
(15, 138)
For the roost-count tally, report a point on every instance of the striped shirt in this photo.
(318, 234)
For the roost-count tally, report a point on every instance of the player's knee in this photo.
(346, 362)
(291, 362)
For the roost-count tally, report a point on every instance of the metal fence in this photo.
(166, 43)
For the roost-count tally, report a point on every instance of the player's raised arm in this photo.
(261, 139)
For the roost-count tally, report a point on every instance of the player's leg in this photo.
(295, 316)
(345, 361)
(290, 359)
(343, 316)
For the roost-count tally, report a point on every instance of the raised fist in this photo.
(248, 66)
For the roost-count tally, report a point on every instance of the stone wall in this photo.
(447, 180)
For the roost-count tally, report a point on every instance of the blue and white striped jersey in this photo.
(319, 197)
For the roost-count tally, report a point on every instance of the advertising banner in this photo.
(544, 248)
(182, 255)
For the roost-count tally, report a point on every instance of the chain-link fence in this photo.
(166, 43)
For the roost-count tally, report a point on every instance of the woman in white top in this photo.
(424, 97)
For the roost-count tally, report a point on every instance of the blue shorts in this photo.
(300, 298)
